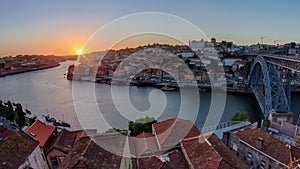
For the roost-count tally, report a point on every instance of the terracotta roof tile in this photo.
(90, 155)
(40, 131)
(210, 153)
(201, 155)
(76, 152)
(145, 143)
(169, 160)
(227, 155)
(94, 153)
(295, 153)
(170, 132)
(160, 127)
(4, 132)
(145, 135)
(271, 146)
(111, 142)
(15, 149)
(132, 146)
(65, 140)
(225, 165)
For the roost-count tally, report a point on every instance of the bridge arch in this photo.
(267, 86)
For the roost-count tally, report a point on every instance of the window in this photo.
(262, 164)
(249, 157)
(234, 147)
(54, 162)
(271, 167)
(61, 158)
(43, 154)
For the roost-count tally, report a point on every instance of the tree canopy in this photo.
(240, 116)
(141, 125)
(14, 112)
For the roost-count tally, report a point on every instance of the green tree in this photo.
(240, 116)
(15, 115)
(223, 43)
(20, 115)
(2, 109)
(293, 45)
(32, 120)
(141, 125)
(9, 111)
(229, 44)
(112, 130)
(213, 40)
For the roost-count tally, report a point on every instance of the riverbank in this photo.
(26, 63)
(47, 92)
(24, 70)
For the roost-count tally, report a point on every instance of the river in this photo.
(48, 92)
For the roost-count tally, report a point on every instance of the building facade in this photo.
(260, 149)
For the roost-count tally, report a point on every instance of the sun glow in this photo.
(79, 52)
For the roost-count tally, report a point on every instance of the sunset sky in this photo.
(61, 27)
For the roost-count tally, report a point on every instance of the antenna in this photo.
(262, 39)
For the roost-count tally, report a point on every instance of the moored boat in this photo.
(61, 124)
(49, 119)
(168, 88)
(56, 122)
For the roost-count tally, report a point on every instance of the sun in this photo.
(79, 52)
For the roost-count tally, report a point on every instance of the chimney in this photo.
(260, 142)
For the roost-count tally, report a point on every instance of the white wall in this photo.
(35, 160)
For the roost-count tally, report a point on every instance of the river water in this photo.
(48, 92)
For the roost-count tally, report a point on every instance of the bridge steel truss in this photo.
(290, 63)
(268, 88)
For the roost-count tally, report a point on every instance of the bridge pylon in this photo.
(280, 117)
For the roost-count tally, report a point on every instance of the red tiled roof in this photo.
(170, 160)
(160, 127)
(144, 135)
(15, 149)
(224, 165)
(271, 146)
(227, 155)
(113, 142)
(149, 163)
(76, 152)
(87, 154)
(4, 132)
(170, 132)
(145, 143)
(40, 131)
(65, 140)
(210, 153)
(201, 155)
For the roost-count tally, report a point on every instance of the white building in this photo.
(187, 54)
(202, 46)
(197, 45)
(231, 61)
(19, 151)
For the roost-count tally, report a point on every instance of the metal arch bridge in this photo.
(269, 84)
